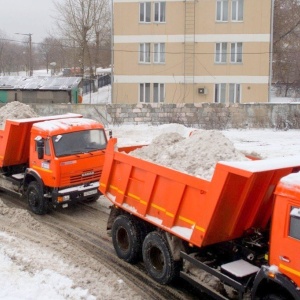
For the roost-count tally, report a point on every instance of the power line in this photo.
(151, 52)
(30, 50)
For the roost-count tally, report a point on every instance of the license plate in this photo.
(88, 193)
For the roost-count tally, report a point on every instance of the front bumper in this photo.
(76, 194)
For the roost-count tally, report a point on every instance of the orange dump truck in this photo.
(240, 230)
(55, 160)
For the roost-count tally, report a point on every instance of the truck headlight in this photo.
(63, 198)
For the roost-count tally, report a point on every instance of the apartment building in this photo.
(192, 51)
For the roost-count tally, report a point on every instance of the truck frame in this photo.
(241, 229)
(52, 161)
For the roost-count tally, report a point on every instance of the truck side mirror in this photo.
(40, 147)
(110, 134)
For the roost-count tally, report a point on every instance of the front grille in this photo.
(79, 179)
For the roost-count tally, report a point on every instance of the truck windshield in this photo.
(79, 142)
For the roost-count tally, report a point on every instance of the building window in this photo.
(220, 93)
(222, 10)
(159, 53)
(145, 12)
(145, 92)
(237, 10)
(234, 93)
(160, 12)
(144, 53)
(158, 92)
(236, 52)
(221, 53)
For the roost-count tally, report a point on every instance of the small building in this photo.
(40, 89)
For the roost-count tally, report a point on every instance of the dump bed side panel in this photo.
(239, 197)
(167, 198)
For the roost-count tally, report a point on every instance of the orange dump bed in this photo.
(239, 196)
(15, 138)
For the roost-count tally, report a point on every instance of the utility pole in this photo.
(30, 51)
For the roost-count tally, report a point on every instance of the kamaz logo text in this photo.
(87, 174)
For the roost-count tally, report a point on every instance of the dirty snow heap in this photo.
(196, 155)
(15, 110)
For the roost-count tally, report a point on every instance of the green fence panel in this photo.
(3, 96)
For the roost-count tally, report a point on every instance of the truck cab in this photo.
(67, 155)
(285, 235)
(280, 278)
(53, 161)
(283, 274)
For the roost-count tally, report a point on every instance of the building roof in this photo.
(38, 83)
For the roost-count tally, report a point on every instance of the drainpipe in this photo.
(271, 49)
(112, 52)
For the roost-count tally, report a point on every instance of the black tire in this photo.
(158, 259)
(274, 297)
(36, 200)
(126, 238)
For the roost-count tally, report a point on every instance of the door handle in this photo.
(284, 258)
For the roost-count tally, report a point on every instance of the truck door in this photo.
(289, 249)
(41, 160)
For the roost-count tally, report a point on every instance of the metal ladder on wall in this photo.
(189, 45)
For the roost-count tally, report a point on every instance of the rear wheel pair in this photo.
(132, 242)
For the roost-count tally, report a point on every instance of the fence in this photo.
(206, 116)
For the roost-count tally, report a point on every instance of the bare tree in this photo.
(85, 22)
(102, 31)
(3, 43)
(53, 50)
(286, 64)
(13, 56)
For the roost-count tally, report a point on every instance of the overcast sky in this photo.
(27, 16)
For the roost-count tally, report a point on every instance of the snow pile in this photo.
(196, 155)
(15, 110)
(37, 263)
(19, 217)
(143, 134)
(22, 273)
(17, 283)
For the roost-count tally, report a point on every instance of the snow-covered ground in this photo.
(103, 95)
(19, 283)
(16, 281)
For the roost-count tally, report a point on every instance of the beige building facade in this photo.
(192, 51)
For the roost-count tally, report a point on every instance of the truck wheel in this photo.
(36, 200)
(126, 238)
(274, 297)
(158, 259)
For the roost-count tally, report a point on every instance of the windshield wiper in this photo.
(78, 152)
